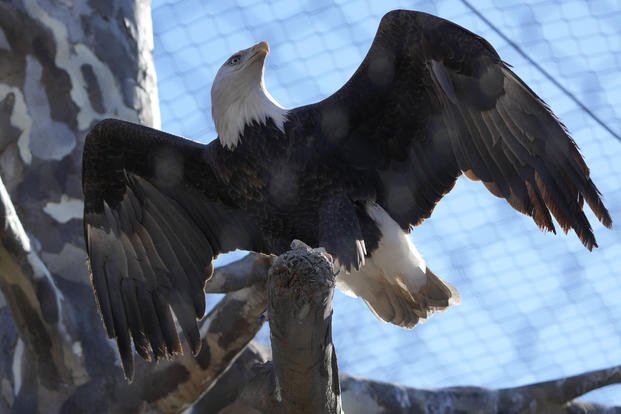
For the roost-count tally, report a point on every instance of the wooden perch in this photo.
(300, 290)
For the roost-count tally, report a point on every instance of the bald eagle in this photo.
(351, 174)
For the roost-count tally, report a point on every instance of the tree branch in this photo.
(239, 274)
(226, 394)
(300, 289)
(559, 392)
(374, 397)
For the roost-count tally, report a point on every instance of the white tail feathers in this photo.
(395, 302)
(395, 281)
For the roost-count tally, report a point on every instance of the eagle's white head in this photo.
(239, 97)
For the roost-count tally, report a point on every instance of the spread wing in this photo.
(431, 101)
(154, 218)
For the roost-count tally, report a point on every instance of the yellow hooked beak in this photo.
(262, 48)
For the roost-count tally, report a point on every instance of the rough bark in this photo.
(63, 66)
(225, 396)
(301, 286)
(47, 361)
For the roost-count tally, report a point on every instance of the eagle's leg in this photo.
(340, 233)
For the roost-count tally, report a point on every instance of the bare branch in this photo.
(226, 394)
(580, 407)
(239, 274)
(371, 397)
(300, 288)
(561, 391)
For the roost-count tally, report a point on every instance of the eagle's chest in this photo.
(269, 170)
(280, 182)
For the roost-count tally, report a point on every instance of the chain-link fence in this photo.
(534, 306)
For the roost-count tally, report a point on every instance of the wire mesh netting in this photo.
(534, 306)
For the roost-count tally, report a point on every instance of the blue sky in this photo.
(534, 306)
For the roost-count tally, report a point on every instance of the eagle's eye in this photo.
(234, 60)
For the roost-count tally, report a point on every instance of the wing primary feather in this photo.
(466, 143)
(187, 320)
(121, 327)
(199, 302)
(167, 325)
(593, 199)
(148, 231)
(181, 222)
(143, 259)
(192, 271)
(134, 268)
(540, 213)
(506, 160)
(166, 241)
(175, 227)
(157, 236)
(98, 275)
(111, 218)
(134, 319)
(519, 150)
(568, 214)
(498, 167)
(151, 323)
(582, 185)
(130, 211)
(199, 214)
(134, 203)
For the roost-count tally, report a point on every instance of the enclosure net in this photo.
(534, 306)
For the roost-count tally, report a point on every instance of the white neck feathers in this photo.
(234, 108)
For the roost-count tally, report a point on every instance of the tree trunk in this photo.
(63, 66)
